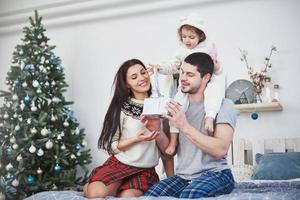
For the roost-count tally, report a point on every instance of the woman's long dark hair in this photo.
(112, 123)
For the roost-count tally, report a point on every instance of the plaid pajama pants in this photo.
(208, 184)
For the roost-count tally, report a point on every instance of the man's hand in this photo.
(152, 124)
(176, 115)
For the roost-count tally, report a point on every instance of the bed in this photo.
(268, 161)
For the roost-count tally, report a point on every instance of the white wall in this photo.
(94, 37)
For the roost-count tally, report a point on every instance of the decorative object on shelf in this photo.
(259, 79)
(275, 93)
(241, 92)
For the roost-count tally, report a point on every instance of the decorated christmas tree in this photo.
(42, 145)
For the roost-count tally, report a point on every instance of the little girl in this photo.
(129, 171)
(193, 39)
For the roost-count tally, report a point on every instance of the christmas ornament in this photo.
(15, 146)
(84, 143)
(19, 158)
(20, 119)
(15, 115)
(9, 150)
(35, 83)
(39, 171)
(8, 167)
(56, 100)
(44, 132)
(39, 91)
(15, 97)
(62, 134)
(63, 147)
(49, 144)
(24, 85)
(40, 152)
(254, 116)
(77, 131)
(78, 154)
(39, 36)
(22, 65)
(77, 147)
(5, 116)
(33, 108)
(30, 180)
(59, 137)
(22, 105)
(41, 67)
(17, 82)
(57, 167)
(8, 175)
(29, 121)
(33, 130)
(12, 139)
(54, 187)
(53, 118)
(53, 83)
(15, 183)
(21, 52)
(26, 99)
(73, 156)
(17, 128)
(32, 149)
(66, 123)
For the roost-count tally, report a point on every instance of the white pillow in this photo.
(242, 172)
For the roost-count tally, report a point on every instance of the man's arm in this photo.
(216, 146)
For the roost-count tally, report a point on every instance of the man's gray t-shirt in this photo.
(192, 160)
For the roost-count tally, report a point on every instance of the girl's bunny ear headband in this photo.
(193, 20)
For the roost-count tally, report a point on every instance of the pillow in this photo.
(277, 166)
(242, 172)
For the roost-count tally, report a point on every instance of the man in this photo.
(202, 169)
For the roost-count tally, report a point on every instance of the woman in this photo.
(129, 171)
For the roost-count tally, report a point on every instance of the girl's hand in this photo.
(141, 136)
(152, 68)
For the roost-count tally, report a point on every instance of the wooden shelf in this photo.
(259, 107)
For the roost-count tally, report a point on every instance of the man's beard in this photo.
(191, 90)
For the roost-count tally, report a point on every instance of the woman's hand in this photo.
(141, 136)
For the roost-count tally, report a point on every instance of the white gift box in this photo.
(155, 106)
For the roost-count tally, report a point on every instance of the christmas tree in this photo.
(41, 143)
